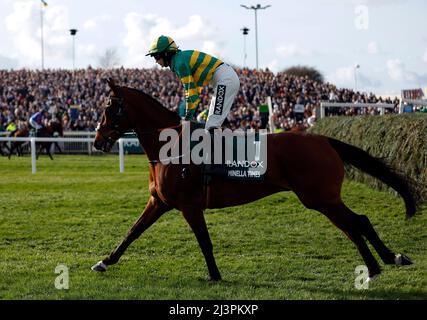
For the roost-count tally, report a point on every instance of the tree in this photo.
(302, 71)
(109, 59)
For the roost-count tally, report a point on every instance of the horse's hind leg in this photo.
(153, 211)
(197, 222)
(387, 256)
(341, 217)
(48, 147)
(11, 150)
(58, 147)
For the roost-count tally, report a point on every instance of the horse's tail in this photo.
(378, 169)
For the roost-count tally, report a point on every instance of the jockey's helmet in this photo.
(162, 44)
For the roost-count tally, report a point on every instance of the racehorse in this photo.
(312, 166)
(4, 149)
(17, 145)
(52, 129)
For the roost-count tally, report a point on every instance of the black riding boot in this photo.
(212, 168)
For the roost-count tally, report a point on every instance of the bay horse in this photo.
(312, 166)
(17, 145)
(52, 129)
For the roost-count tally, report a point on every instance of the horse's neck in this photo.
(148, 126)
(149, 138)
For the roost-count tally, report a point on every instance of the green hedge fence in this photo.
(401, 140)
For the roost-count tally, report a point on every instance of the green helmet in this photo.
(162, 44)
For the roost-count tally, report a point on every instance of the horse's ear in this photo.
(111, 83)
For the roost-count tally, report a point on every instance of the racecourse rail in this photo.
(381, 106)
(34, 140)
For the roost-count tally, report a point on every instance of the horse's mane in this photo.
(157, 104)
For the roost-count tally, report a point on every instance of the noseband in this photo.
(115, 119)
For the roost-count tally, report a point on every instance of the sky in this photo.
(387, 39)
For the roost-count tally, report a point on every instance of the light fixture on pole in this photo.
(256, 8)
(357, 66)
(245, 33)
(73, 33)
(43, 4)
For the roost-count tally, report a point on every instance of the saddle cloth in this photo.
(234, 155)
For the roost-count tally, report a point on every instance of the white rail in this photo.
(383, 106)
(34, 140)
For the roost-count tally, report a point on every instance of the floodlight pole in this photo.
(73, 34)
(41, 35)
(355, 76)
(256, 8)
(245, 33)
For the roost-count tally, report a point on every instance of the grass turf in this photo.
(76, 209)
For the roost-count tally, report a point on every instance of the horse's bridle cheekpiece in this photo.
(115, 119)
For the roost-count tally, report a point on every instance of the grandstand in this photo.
(77, 97)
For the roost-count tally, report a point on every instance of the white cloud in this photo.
(96, 21)
(373, 47)
(210, 47)
(86, 49)
(141, 30)
(8, 63)
(273, 65)
(397, 71)
(425, 56)
(345, 77)
(373, 3)
(197, 28)
(292, 50)
(23, 25)
(89, 24)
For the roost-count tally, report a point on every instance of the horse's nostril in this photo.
(97, 144)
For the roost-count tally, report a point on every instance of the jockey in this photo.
(11, 128)
(36, 120)
(196, 70)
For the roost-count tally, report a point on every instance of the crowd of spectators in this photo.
(77, 98)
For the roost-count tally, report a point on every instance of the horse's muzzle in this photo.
(102, 145)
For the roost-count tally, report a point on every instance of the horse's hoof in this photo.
(402, 260)
(370, 279)
(99, 267)
(215, 278)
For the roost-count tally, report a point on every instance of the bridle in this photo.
(114, 126)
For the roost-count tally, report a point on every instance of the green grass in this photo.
(76, 209)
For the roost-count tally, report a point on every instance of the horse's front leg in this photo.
(48, 148)
(12, 149)
(38, 151)
(153, 211)
(196, 220)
